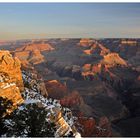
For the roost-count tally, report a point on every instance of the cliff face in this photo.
(113, 59)
(56, 89)
(85, 42)
(10, 78)
(30, 54)
(62, 117)
(11, 85)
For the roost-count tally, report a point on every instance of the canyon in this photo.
(97, 79)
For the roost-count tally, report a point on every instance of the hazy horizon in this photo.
(69, 20)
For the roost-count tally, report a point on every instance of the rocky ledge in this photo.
(11, 83)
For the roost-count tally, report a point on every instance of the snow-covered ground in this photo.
(31, 95)
(52, 107)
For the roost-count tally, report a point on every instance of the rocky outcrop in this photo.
(106, 61)
(94, 48)
(89, 126)
(56, 90)
(129, 42)
(85, 42)
(113, 59)
(98, 49)
(11, 67)
(10, 78)
(62, 126)
(34, 81)
(60, 116)
(36, 57)
(72, 100)
(31, 53)
(36, 46)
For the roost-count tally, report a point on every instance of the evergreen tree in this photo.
(4, 105)
(29, 121)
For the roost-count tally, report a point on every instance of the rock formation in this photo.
(56, 89)
(11, 66)
(103, 73)
(94, 47)
(85, 42)
(129, 42)
(72, 100)
(36, 46)
(98, 48)
(31, 53)
(10, 78)
(36, 57)
(62, 117)
(113, 59)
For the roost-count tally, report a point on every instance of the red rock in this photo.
(31, 53)
(87, 52)
(85, 42)
(56, 89)
(71, 100)
(33, 46)
(113, 59)
(36, 57)
(88, 126)
(10, 79)
(11, 66)
(99, 49)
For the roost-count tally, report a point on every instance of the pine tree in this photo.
(29, 121)
(4, 105)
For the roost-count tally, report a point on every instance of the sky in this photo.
(69, 20)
